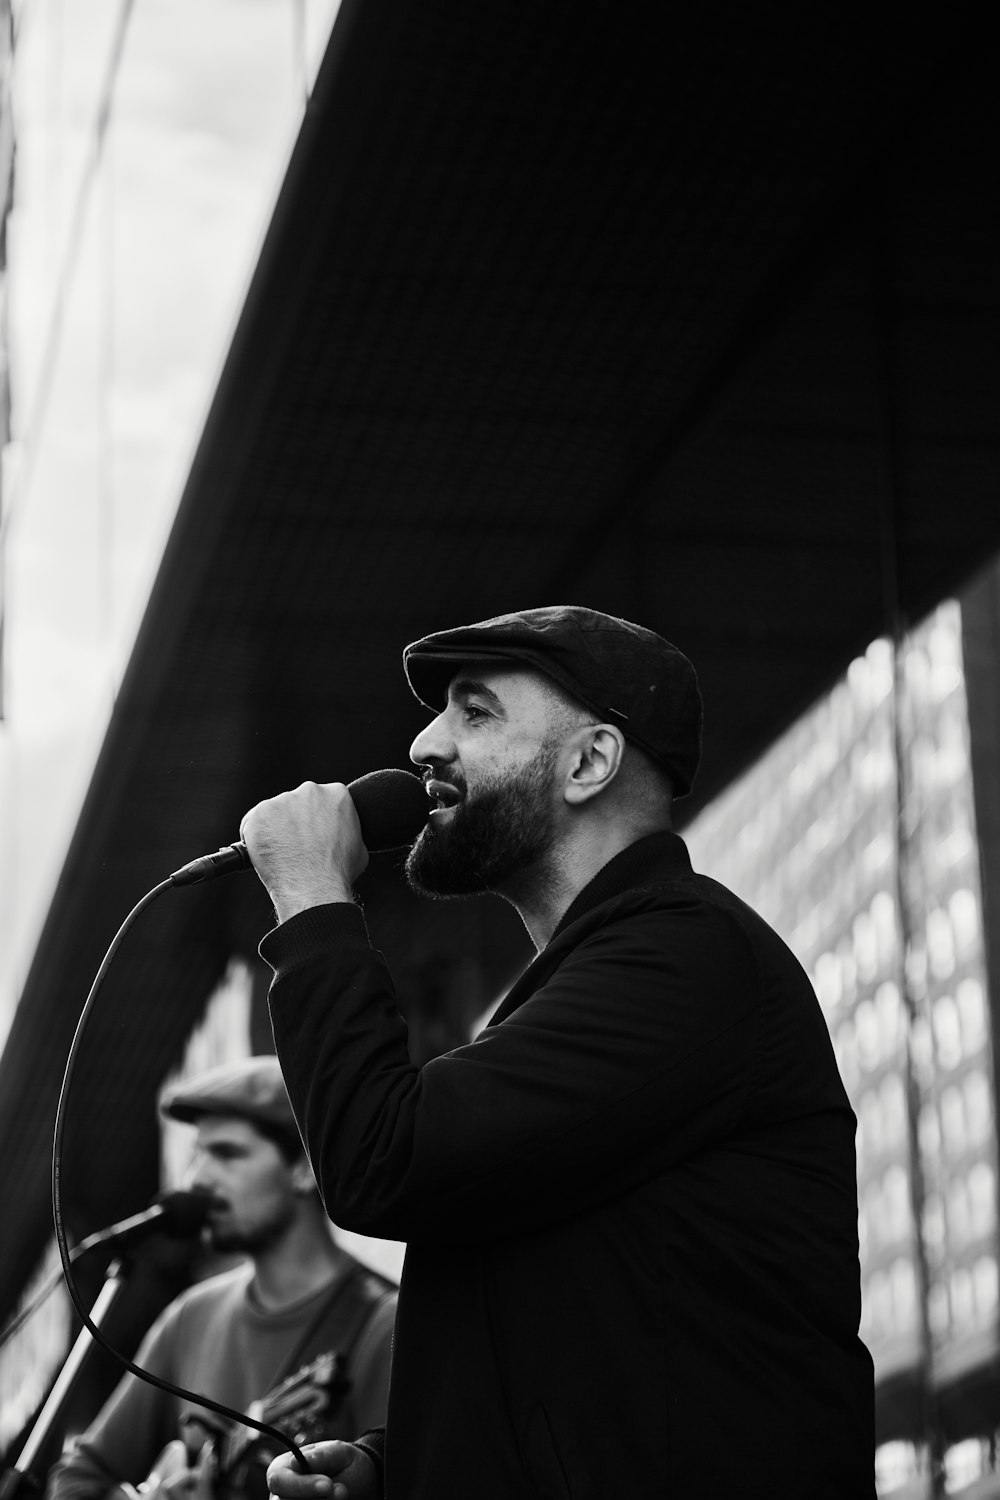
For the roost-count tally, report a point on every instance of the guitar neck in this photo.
(297, 1404)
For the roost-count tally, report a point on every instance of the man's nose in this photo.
(199, 1176)
(433, 745)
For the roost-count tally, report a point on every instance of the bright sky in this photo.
(133, 238)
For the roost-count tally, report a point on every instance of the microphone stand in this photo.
(21, 1476)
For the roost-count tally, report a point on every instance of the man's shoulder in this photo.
(757, 928)
(671, 897)
(376, 1298)
(679, 892)
(205, 1303)
(223, 1289)
(719, 918)
(682, 915)
(662, 919)
(653, 874)
(369, 1285)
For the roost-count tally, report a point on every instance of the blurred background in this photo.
(324, 327)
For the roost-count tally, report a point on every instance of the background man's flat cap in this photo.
(251, 1088)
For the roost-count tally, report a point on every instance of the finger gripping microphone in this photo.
(392, 808)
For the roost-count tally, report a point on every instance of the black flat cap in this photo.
(626, 674)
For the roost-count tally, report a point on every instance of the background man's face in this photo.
(249, 1181)
(492, 759)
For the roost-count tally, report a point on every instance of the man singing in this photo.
(630, 1204)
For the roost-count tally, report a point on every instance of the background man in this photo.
(630, 1205)
(236, 1336)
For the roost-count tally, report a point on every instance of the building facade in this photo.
(856, 837)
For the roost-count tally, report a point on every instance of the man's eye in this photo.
(473, 711)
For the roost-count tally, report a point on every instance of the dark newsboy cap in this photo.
(251, 1088)
(625, 674)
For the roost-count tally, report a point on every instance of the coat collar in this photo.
(658, 856)
(649, 861)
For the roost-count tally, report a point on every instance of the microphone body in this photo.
(180, 1215)
(392, 808)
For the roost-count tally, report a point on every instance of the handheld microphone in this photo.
(180, 1215)
(392, 808)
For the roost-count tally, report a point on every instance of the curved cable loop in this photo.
(66, 1255)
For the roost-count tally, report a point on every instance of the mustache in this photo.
(450, 778)
(212, 1200)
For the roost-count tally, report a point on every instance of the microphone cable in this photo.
(66, 1255)
(392, 808)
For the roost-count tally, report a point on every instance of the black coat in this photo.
(630, 1204)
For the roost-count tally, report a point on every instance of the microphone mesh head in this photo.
(392, 808)
(184, 1214)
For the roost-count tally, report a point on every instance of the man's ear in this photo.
(596, 762)
(303, 1181)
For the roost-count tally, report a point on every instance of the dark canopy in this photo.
(684, 313)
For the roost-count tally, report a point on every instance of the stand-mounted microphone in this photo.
(392, 808)
(180, 1215)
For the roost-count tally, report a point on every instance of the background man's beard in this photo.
(501, 830)
(227, 1241)
(249, 1240)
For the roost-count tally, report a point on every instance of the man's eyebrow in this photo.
(464, 687)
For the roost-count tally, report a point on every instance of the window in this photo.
(953, 1120)
(947, 1032)
(940, 944)
(958, 1215)
(982, 1199)
(978, 1106)
(964, 911)
(866, 1035)
(972, 1011)
(892, 1097)
(985, 1285)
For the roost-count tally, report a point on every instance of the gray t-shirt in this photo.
(217, 1341)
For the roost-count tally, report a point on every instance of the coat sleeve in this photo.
(370, 1366)
(637, 1051)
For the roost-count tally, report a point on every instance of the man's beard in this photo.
(506, 826)
(248, 1239)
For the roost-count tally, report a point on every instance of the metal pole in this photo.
(22, 1473)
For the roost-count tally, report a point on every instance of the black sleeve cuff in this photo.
(312, 933)
(373, 1443)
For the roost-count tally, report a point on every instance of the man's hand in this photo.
(306, 846)
(339, 1472)
(175, 1478)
